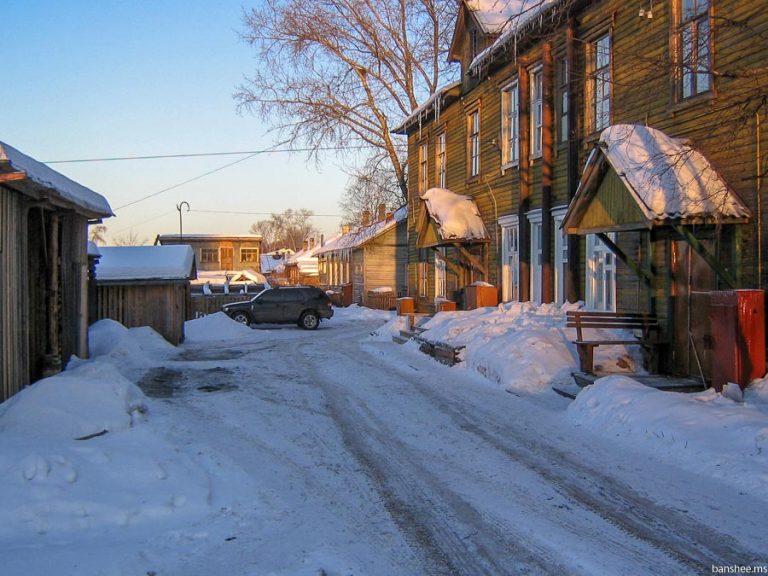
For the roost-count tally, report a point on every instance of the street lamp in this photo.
(178, 207)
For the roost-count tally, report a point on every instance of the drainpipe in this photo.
(547, 157)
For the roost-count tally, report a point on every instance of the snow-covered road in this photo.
(340, 455)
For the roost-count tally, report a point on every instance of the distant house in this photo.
(44, 219)
(272, 265)
(369, 257)
(225, 252)
(146, 286)
(302, 267)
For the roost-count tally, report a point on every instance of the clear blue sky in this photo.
(106, 78)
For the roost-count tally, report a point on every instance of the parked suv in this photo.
(305, 305)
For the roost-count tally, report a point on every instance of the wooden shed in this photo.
(44, 219)
(146, 286)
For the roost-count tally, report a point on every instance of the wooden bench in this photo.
(645, 326)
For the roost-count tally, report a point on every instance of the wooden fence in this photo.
(380, 300)
(204, 304)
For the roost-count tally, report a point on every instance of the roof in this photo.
(219, 277)
(363, 234)
(667, 178)
(269, 262)
(92, 203)
(123, 263)
(433, 103)
(174, 238)
(494, 16)
(456, 216)
(519, 15)
(305, 260)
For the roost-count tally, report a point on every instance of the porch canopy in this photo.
(639, 178)
(450, 219)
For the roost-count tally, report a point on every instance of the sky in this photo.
(101, 79)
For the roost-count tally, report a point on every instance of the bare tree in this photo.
(286, 230)
(97, 234)
(368, 188)
(130, 238)
(333, 73)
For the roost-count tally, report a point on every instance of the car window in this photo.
(270, 297)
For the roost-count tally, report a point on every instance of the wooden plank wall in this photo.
(14, 344)
(163, 307)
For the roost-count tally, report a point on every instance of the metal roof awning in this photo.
(637, 178)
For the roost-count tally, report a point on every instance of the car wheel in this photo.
(309, 321)
(242, 318)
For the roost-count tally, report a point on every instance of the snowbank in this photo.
(216, 326)
(355, 312)
(705, 431)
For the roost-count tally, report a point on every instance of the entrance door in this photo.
(692, 280)
(227, 255)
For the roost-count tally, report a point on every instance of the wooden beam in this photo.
(472, 260)
(699, 248)
(645, 275)
(13, 176)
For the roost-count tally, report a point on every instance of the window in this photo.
(422, 272)
(534, 218)
(537, 110)
(598, 88)
(473, 142)
(510, 118)
(440, 273)
(694, 37)
(249, 254)
(562, 84)
(474, 43)
(601, 275)
(423, 173)
(441, 158)
(209, 255)
(561, 253)
(510, 258)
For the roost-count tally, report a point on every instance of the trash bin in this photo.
(738, 336)
(479, 295)
(405, 305)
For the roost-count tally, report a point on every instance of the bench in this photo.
(646, 327)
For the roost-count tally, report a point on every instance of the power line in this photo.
(260, 213)
(185, 182)
(199, 154)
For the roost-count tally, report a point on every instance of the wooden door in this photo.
(227, 255)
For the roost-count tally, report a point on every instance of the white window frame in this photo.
(694, 35)
(423, 185)
(536, 253)
(561, 253)
(599, 79)
(422, 274)
(536, 75)
(441, 160)
(600, 275)
(440, 274)
(510, 124)
(473, 141)
(510, 258)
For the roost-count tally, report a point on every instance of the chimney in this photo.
(312, 243)
(366, 218)
(305, 245)
(382, 213)
(390, 216)
(322, 239)
(345, 228)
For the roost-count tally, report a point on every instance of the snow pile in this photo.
(216, 326)
(521, 345)
(355, 313)
(456, 215)
(705, 431)
(80, 456)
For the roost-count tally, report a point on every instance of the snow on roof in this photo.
(93, 249)
(507, 18)
(305, 260)
(667, 177)
(49, 178)
(433, 101)
(175, 237)
(235, 277)
(456, 215)
(363, 234)
(145, 263)
(270, 262)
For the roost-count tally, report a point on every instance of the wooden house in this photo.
(301, 267)
(146, 286)
(44, 219)
(225, 252)
(551, 101)
(368, 258)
